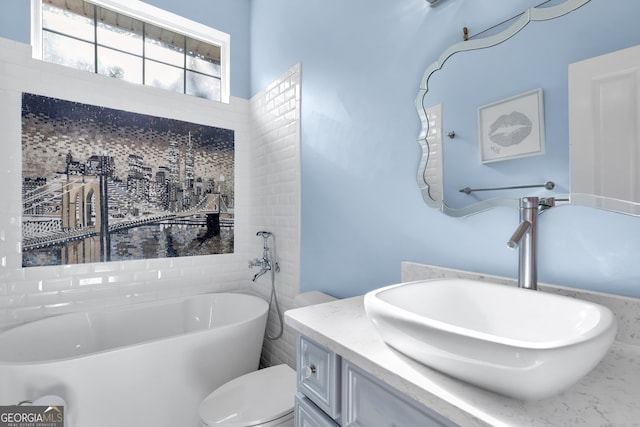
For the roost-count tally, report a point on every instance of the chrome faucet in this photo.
(265, 263)
(525, 238)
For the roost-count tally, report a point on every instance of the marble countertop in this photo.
(608, 396)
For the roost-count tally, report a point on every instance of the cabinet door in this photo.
(369, 403)
(309, 415)
(319, 376)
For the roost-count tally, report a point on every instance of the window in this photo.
(133, 41)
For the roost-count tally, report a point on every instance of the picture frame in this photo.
(512, 128)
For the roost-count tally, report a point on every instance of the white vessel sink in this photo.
(517, 342)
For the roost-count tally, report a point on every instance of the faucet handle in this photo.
(546, 203)
(255, 262)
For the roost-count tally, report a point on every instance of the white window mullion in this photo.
(156, 16)
(36, 29)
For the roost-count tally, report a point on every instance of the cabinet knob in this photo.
(307, 371)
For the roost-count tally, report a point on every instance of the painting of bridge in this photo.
(101, 184)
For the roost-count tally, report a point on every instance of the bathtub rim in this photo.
(132, 306)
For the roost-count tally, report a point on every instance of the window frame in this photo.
(156, 16)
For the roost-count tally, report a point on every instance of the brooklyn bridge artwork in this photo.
(100, 184)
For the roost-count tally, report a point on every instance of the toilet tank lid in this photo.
(255, 398)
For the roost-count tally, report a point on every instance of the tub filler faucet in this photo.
(269, 263)
(265, 264)
(525, 239)
(264, 267)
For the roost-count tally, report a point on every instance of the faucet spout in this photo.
(263, 270)
(517, 236)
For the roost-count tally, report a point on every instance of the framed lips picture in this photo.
(512, 128)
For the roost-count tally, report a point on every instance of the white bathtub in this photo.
(142, 365)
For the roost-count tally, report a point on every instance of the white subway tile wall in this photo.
(267, 196)
(275, 199)
(28, 294)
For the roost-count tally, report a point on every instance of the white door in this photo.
(604, 125)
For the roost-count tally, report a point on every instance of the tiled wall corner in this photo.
(275, 198)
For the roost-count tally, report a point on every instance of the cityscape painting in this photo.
(100, 184)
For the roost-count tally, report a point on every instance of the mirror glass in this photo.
(494, 108)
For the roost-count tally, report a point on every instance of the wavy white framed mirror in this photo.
(532, 51)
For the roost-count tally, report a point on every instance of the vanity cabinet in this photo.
(333, 391)
(309, 415)
(319, 376)
(368, 402)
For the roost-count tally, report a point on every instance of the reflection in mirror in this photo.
(531, 53)
(604, 106)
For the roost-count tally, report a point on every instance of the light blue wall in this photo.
(362, 212)
(15, 20)
(229, 16)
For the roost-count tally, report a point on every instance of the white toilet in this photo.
(263, 398)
